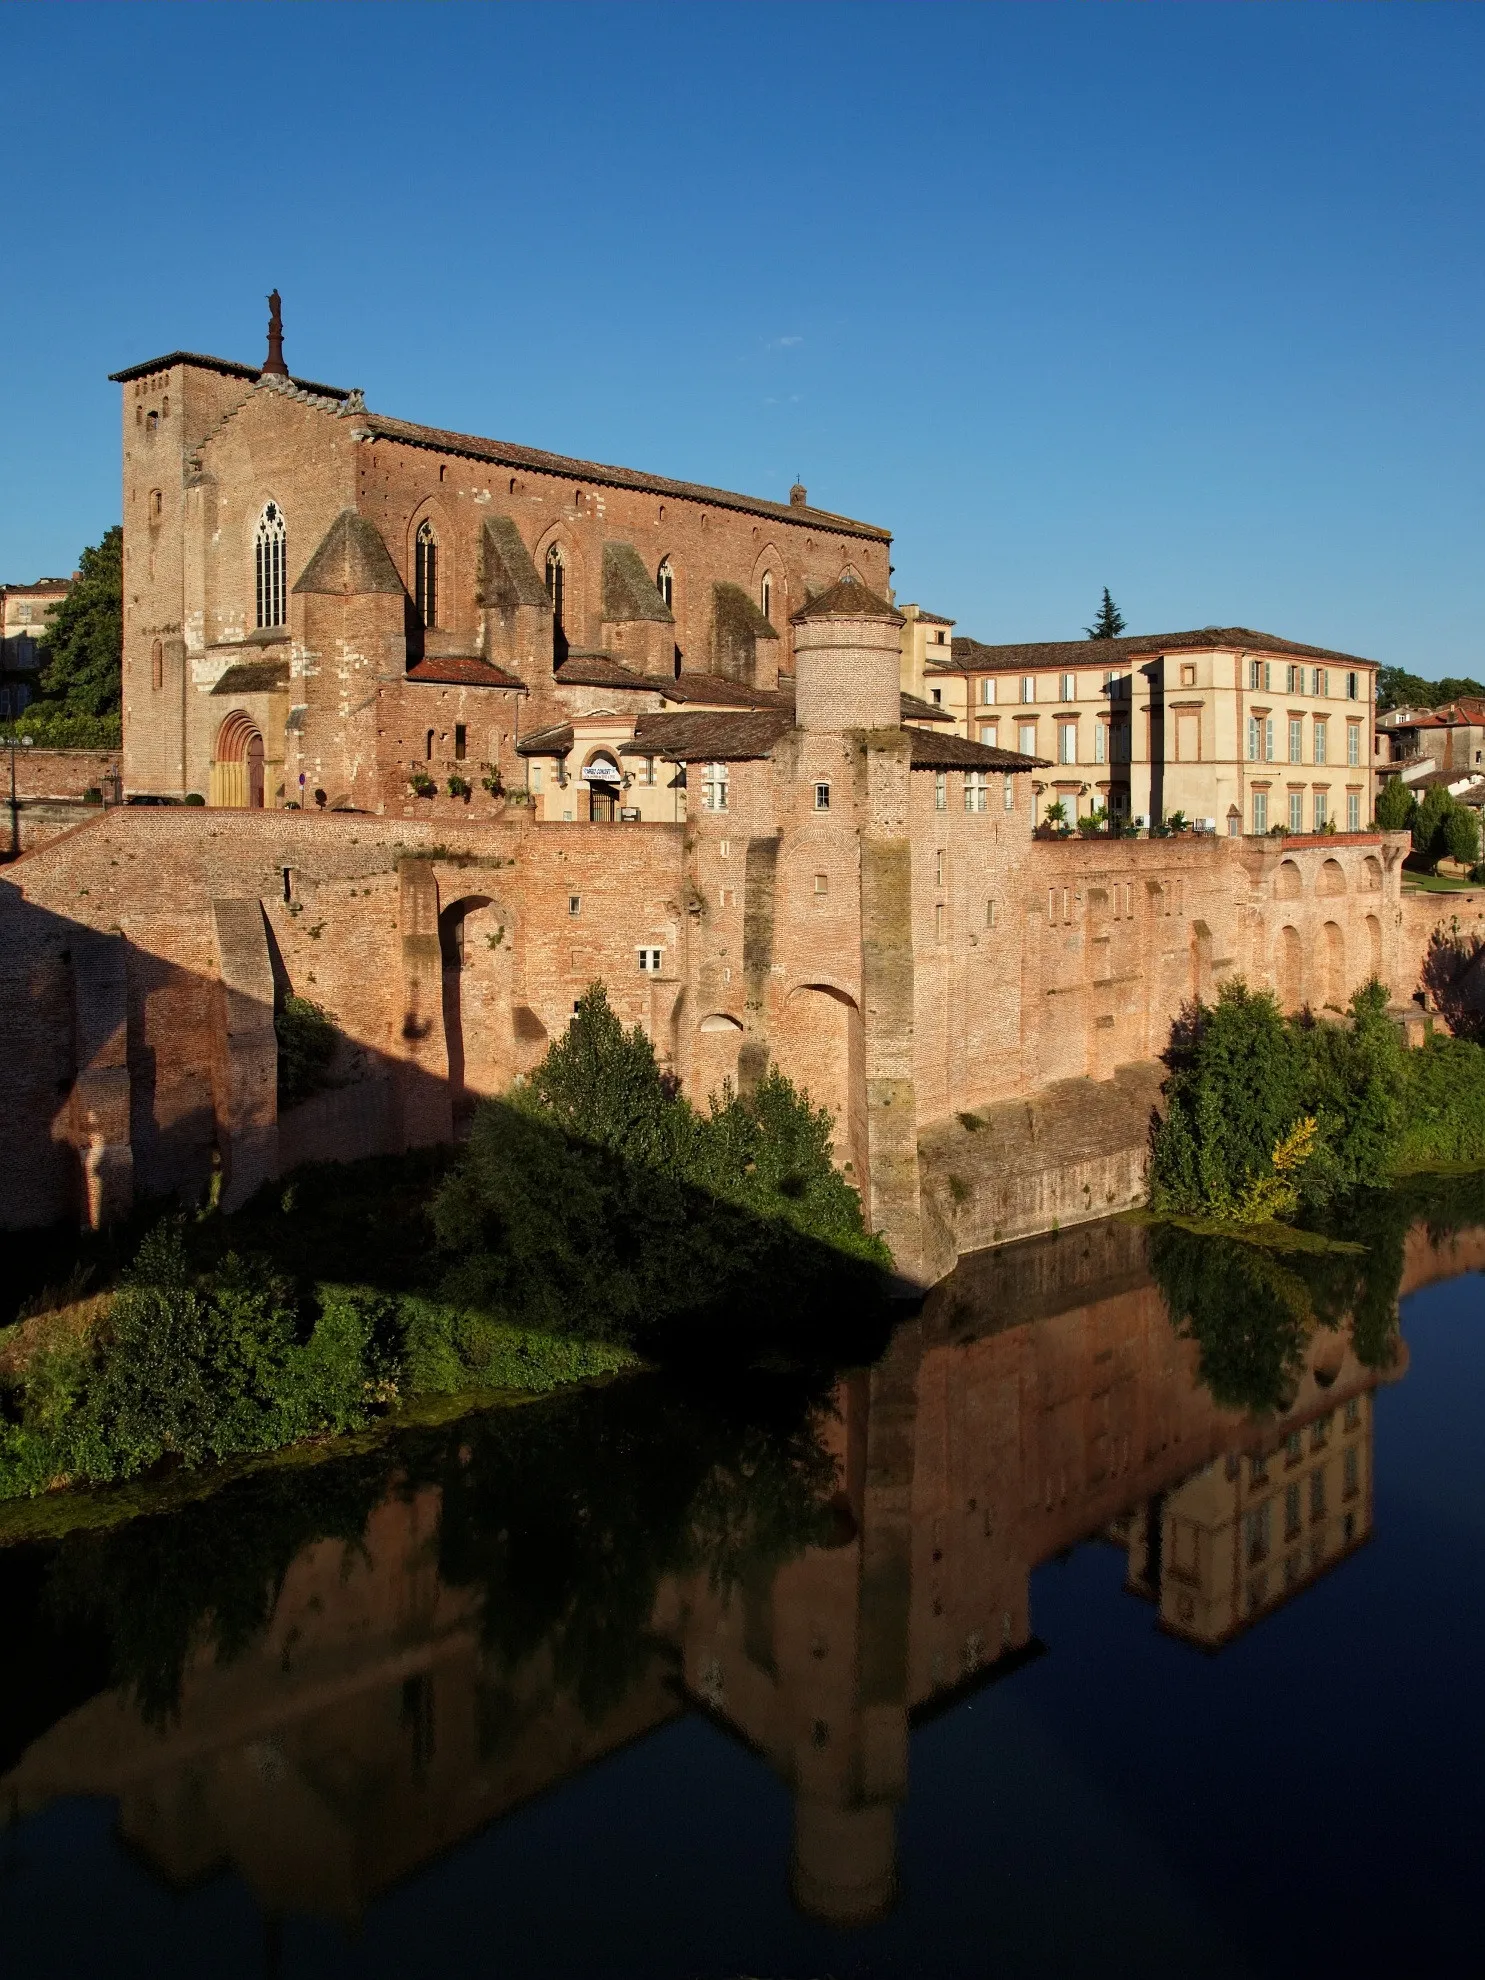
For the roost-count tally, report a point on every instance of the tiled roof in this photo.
(226, 366)
(629, 591)
(847, 598)
(915, 709)
(253, 677)
(351, 561)
(464, 670)
(41, 584)
(697, 736)
(713, 690)
(973, 653)
(934, 619)
(602, 670)
(555, 741)
(507, 454)
(954, 752)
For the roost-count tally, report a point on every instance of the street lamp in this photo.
(15, 809)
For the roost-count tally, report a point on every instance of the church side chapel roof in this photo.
(1107, 652)
(597, 669)
(254, 677)
(507, 575)
(716, 691)
(954, 752)
(465, 670)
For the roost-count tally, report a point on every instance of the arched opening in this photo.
(1289, 883)
(458, 945)
(1291, 969)
(1374, 948)
(237, 765)
(425, 574)
(270, 567)
(1371, 875)
(819, 1044)
(1333, 958)
(557, 593)
(665, 583)
(1201, 960)
(604, 782)
(1332, 879)
(765, 596)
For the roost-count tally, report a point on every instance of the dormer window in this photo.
(270, 562)
(425, 575)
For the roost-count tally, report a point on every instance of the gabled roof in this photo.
(955, 752)
(507, 454)
(847, 598)
(465, 670)
(972, 653)
(351, 561)
(700, 736)
(713, 690)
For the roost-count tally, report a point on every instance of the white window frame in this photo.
(1296, 811)
(1320, 809)
(651, 961)
(1260, 813)
(1028, 687)
(976, 792)
(1353, 811)
(822, 796)
(1067, 742)
(940, 790)
(987, 690)
(714, 787)
(1028, 739)
(1322, 743)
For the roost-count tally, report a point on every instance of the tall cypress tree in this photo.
(1110, 621)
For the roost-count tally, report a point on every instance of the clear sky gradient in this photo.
(1185, 300)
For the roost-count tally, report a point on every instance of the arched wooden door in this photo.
(255, 772)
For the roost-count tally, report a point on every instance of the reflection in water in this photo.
(325, 1678)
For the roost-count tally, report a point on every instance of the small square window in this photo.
(649, 961)
(822, 883)
(1188, 676)
(574, 903)
(938, 697)
(822, 797)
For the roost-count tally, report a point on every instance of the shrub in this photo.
(421, 784)
(1462, 834)
(306, 1046)
(460, 787)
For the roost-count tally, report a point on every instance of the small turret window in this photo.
(271, 554)
(425, 575)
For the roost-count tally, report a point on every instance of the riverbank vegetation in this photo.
(595, 1220)
(1267, 1115)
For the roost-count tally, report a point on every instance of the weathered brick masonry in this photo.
(732, 828)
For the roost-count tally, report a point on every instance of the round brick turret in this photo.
(846, 660)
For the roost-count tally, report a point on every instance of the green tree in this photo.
(1396, 806)
(1398, 689)
(83, 645)
(1462, 834)
(1429, 840)
(1110, 621)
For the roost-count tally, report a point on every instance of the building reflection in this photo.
(1041, 1398)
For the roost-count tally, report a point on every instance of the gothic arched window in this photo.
(665, 582)
(556, 584)
(766, 595)
(271, 555)
(425, 576)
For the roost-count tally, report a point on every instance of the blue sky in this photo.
(1185, 300)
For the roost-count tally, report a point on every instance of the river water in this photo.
(1070, 1637)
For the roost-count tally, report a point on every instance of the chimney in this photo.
(798, 496)
(274, 365)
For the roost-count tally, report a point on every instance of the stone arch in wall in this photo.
(1332, 880)
(1333, 965)
(1201, 961)
(601, 779)
(819, 1044)
(770, 561)
(1289, 881)
(1291, 969)
(432, 512)
(1371, 875)
(237, 764)
(476, 941)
